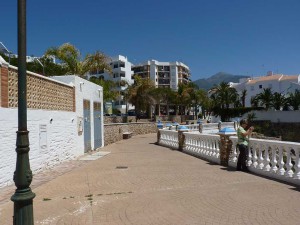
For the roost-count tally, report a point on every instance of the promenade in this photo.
(137, 182)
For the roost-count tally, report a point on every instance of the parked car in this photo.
(131, 113)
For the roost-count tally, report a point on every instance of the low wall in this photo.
(118, 119)
(53, 139)
(278, 116)
(178, 119)
(287, 131)
(114, 132)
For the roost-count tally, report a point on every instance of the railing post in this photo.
(200, 128)
(219, 125)
(181, 139)
(158, 136)
(225, 144)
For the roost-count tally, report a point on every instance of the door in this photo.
(87, 125)
(97, 125)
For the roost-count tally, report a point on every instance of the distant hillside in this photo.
(216, 79)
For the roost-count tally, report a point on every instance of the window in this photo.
(122, 64)
(260, 86)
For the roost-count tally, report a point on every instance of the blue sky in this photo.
(242, 37)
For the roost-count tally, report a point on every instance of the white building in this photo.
(64, 117)
(164, 74)
(280, 83)
(121, 71)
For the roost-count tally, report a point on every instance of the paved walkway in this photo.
(141, 183)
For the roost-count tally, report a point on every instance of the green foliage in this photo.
(73, 62)
(109, 91)
(251, 117)
(139, 94)
(294, 99)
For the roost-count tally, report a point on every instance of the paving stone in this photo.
(143, 183)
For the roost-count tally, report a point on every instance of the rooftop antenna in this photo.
(41, 65)
(6, 50)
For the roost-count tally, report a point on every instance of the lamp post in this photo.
(23, 196)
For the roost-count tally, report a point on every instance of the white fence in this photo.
(275, 159)
(206, 128)
(169, 138)
(203, 145)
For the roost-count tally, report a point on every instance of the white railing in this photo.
(210, 128)
(169, 138)
(207, 128)
(203, 145)
(276, 159)
(192, 127)
(228, 124)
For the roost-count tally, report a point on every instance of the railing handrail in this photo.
(269, 141)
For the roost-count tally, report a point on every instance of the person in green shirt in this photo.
(243, 141)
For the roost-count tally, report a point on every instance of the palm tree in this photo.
(265, 98)
(158, 95)
(139, 94)
(73, 62)
(243, 97)
(224, 95)
(294, 100)
(183, 96)
(254, 101)
(169, 97)
(197, 98)
(278, 101)
(97, 62)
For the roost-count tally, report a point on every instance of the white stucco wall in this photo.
(51, 142)
(85, 90)
(278, 116)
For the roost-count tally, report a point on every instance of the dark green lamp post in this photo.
(23, 196)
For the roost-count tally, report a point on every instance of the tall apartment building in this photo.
(121, 71)
(164, 74)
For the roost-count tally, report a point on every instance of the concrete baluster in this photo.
(209, 147)
(249, 156)
(234, 150)
(214, 149)
(281, 170)
(297, 164)
(267, 166)
(254, 156)
(218, 149)
(260, 157)
(289, 172)
(198, 142)
(274, 160)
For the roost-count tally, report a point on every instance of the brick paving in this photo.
(142, 183)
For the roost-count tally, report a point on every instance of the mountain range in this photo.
(208, 83)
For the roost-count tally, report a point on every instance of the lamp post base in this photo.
(23, 207)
